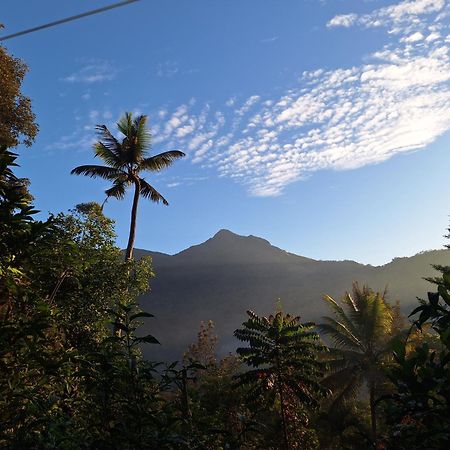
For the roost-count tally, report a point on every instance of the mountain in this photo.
(228, 274)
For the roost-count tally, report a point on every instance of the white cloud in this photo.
(337, 119)
(80, 140)
(83, 136)
(93, 71)
(269, 40)
(167, 69)
(185, 130)
(415, 37)
(406, 9)
(398, 14)
(343, 20)
(162, 113)
(200, 153)
(395, 101)
(230, 102)
(432, 37)
(181, 128)
(93, 115)
(247, 105)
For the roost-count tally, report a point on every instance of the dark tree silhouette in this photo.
(125, 160)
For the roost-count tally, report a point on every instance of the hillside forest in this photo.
(73, 374)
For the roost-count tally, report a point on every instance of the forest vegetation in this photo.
(73, 375)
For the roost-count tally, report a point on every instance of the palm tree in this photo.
(125, 160)
(284, 355)
(363, 331)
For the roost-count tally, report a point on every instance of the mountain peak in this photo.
(226, 247)
(223, 233)
(225, 237)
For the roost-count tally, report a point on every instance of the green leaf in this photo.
(444, 294)
(121, 326)
(446, 277)
(149, 339)
(433, 298)
(196, 365)
(140, 314)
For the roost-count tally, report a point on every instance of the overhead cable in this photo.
(67, 19)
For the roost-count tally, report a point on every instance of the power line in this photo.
(67, 19)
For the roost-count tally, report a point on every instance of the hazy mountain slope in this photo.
(228, 274)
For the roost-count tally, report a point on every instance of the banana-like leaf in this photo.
(140, 314)
(149, 339)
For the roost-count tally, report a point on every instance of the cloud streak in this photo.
(94, 71)
(337, 119)
(398, 15)
(83, 136)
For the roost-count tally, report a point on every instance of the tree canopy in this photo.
(17, 120)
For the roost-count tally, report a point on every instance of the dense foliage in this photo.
(62, 283)
(17, 121)
(419, 409)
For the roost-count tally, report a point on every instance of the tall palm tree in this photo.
(125, 160)
(363, 331)
(284, 355)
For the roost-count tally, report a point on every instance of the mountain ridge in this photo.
(226, 232)
(228, 274)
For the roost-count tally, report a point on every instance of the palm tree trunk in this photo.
(130, 246)
(373, 416)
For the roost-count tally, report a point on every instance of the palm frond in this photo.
(151, 193)
(137, 137)
(161, 161)
(383, 314)
(341, 315)
(336, 365)
(107, 138)
(142, 133)
(107, 155)
(350, 301)
(117, 190)
(125, 124)
(93, 171)
(340, 334)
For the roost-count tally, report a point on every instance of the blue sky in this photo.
(321, 126)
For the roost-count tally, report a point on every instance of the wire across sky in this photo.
(67, 19)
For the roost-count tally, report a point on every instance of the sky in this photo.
(319, 125)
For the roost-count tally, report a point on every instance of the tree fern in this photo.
(283, 356)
